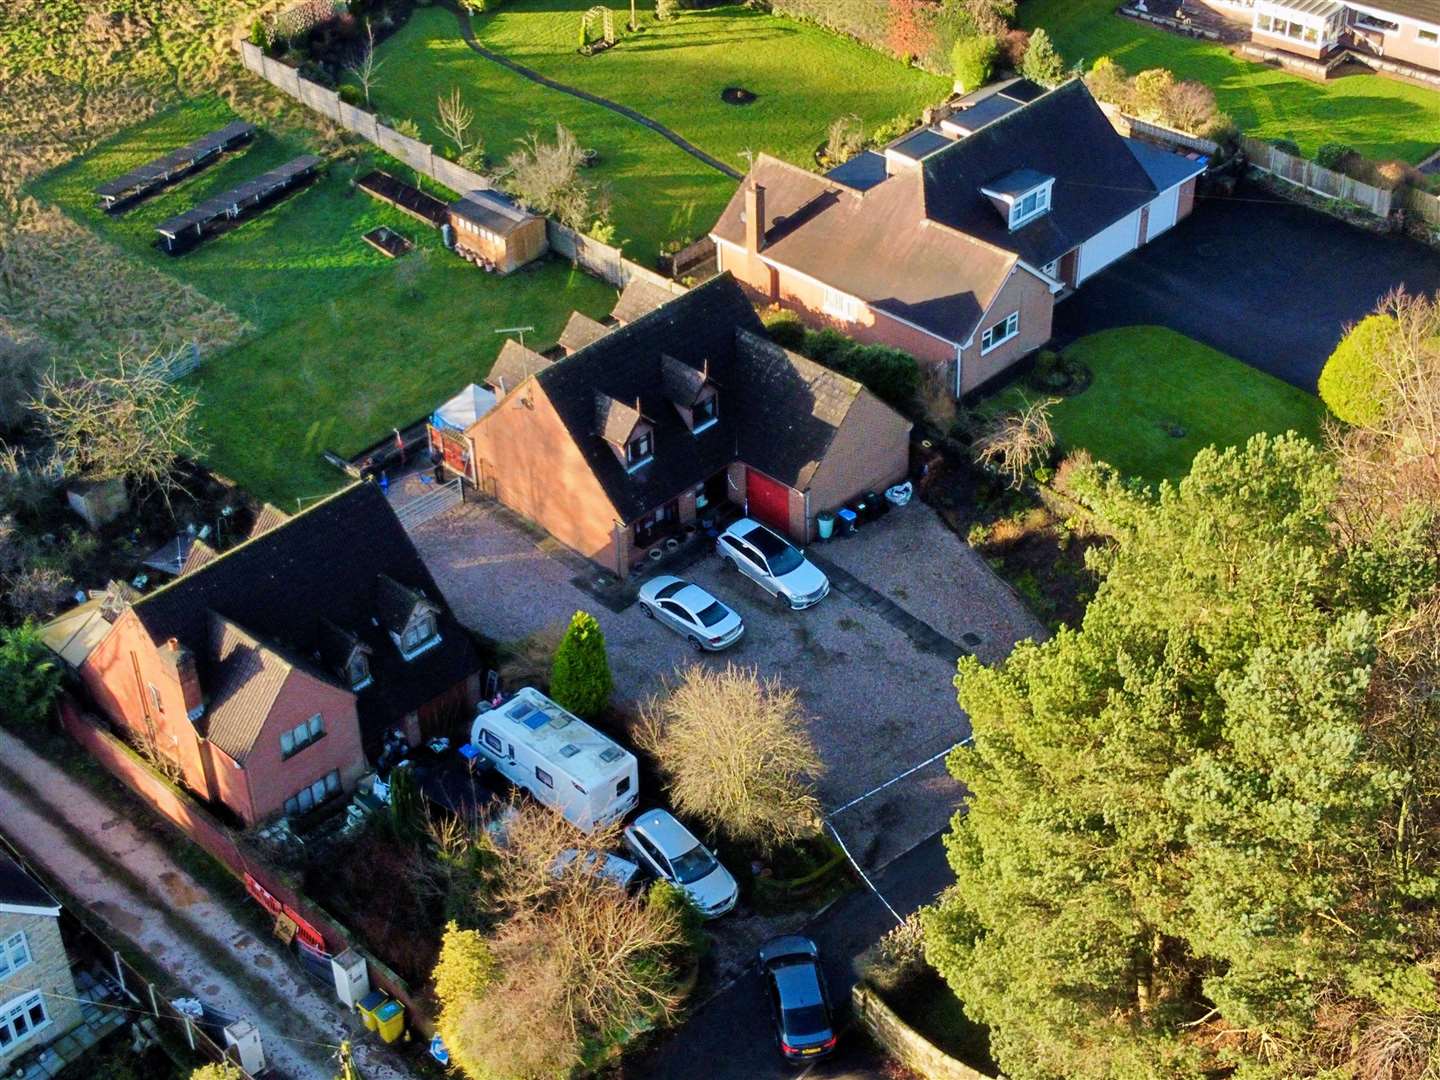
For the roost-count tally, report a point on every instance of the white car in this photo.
(778, 566)
(691, 611)
(668, 850)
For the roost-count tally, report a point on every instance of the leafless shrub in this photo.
(534, 837)
(546, 177)
(21, 363)
(454, 118)
(123, 423)
(38, 590)
(845, 138)
(1016, 442)
(736, 753)
(1401, 1047)
(365, 65)
(1190, 106)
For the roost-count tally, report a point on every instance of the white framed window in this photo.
(14, 954)
(358, 670)
(301, 735)
(1429, 37)
(1051, 269)
(544, 777)
(20, 1018)
(312, 795)
(1000, 333)
(639, 451)
(1030, 205)
(419, 636)
(838, 304)
(1262, 22)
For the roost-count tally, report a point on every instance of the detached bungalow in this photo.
(684, 408)
(1407, 31)
(954, 242)
(272, 673)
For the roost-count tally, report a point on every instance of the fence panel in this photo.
(322, 99)
(458, 178)
(1313, 177)
(1424, 204)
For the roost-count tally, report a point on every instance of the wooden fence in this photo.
(1423, 204)
(600, 259)
(1312, 177)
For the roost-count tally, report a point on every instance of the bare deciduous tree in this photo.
(736, 754)
(1393, 462)
(366, 65)
(37, 590)
(546, 177)
(528, 851)
(844, 139)
(123, 422)
(454, 118)
(1016, 442)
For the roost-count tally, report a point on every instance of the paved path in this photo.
(731, 1033)
(126, 879)
(468, 33)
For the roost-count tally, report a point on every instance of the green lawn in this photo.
(1381, 118)
(343, 349)
(1147, 379)
(673, 72)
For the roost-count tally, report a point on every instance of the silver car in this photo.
(669, 850)
(778, 566)
(603, 865)
(691, 611)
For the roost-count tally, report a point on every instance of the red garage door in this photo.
(769, 501)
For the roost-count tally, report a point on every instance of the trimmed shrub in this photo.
(891, 375)
(1109, 82)
(1350, 384)
(785, 329)
(1333, 155)
(827, 347)
(580, 677)
(352, 95)
(1043, 63)
(1286, 146)
(972, 60)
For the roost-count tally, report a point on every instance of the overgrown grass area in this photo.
(1381, 118)
(673, 72)
(1158, 397)
(340, 343)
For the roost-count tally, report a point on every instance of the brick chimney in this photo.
(755, 217)
(182, 661)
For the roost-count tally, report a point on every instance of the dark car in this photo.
(799, 1003)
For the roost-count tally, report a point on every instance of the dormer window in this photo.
(705, 413)
(420, 635)
(1021, 196)
(358, 670)
(639, 451)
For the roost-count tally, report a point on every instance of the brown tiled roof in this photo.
(580, 331)
(247, 677)
(875, 245)
(639, 298)
(615, 420)
(268, 517)
(1424, 10)
(682, 382)
(514, 365)
(199, 555)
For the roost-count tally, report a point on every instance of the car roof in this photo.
(767, 540)
(798, 983)
(694, 598)
(661, 827)
(664, 586)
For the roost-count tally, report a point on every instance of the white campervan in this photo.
(558, 758)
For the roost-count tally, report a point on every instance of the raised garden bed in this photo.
(387, 241)
(404, 197)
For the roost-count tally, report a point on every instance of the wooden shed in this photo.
(491, 229)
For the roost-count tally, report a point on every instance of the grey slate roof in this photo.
(323, 563)
(1062, 134)
(514, 365)
(778, 411)
(639, 298)
(492, 210)
(1164, 168)
(682, 382)
(580, 330)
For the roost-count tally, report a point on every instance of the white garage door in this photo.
(1108, 245)
(1162, 212)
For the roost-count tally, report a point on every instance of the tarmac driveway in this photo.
(1266, 280)
(872, 663)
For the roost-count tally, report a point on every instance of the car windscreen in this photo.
(693, 865)
(785, 561)
(712, 613)
(667, 591)
(806, 1020)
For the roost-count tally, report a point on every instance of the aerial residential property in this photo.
(705, 538)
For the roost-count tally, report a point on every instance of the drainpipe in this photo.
(959, 373)
(807, 515)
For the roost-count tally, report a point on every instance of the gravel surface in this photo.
(128, 881)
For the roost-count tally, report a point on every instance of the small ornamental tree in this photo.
(1350, 383)
(1109, 82)
(972, 59)
(1043, 63)
(580, 677)
(1150, 94)
(29, 676)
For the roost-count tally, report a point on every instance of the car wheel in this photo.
(645, 610)
(695, 643)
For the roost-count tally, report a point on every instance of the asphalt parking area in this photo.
(1268, 281)
(880, 699)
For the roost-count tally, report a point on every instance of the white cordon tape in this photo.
(863, 876)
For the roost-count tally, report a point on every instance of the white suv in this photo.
(779, 567)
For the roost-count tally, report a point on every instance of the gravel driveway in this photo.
(880, 702)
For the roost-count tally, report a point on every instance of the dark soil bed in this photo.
(381, 185)
(387, 241)
(737, 95)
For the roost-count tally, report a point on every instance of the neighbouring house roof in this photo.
(491, 210)
(73, 635)
(464, 408)
(20, 894)
(1164, 168)
(246, 676)
(580, 331)
(1063, 134)
(514, 365)
(1424, 10)
(266, 519)
(322, 564)
(639, 298)
(1322, 9)
(200, 554)
(874, 245)
(778, 412)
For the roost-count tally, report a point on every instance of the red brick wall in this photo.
(1030, 296)
(870, 452)
(227, 849)
(1186, 201)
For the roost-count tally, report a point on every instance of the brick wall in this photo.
(229, 850)
(870, 452)
(906, 1044)
(1030, 296)
(48, 971)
